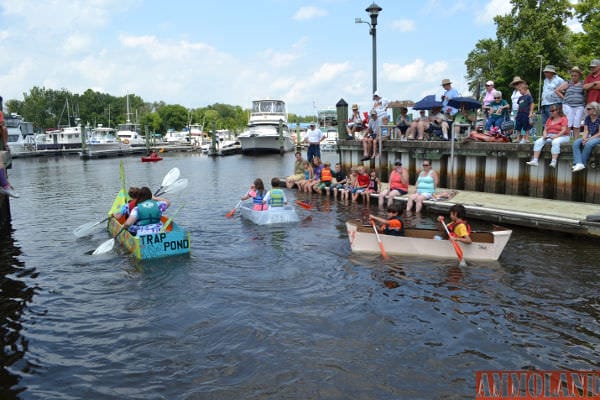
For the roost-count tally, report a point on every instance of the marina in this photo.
(249, 298)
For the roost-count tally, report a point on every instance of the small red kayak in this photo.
(151, 158)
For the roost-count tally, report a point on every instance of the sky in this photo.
(309, 53)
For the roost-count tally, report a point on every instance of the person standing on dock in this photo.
(314, 137)
(591, 84)
(549, 97)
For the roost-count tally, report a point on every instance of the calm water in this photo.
(280, 312)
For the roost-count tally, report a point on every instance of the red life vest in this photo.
(326, 175)
(453, 225)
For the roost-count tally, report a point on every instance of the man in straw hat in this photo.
(449, 93)
(573, 99)
(592, 82)
(549, 96)
(355, 123)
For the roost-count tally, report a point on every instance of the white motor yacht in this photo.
(262, 135)
(21, 139)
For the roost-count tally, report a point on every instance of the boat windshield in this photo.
(268, 106)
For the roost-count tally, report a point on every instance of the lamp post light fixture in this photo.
(373, 11)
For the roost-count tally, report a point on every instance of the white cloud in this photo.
(491, 9)
(76, 43)
(309, 12)
(417, 70)
(404, 25)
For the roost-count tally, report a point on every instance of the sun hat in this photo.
(550, 68)
(489, 83)
(376, 94)
(577, 70)
(312, 124)
(373, 112)
(595, 63)
(516, 79)
(397, 162)
(446, 82)
(355, 106)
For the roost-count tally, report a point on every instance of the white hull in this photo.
(262, 136)
(486, 246)
(274, 215)
(265, 143)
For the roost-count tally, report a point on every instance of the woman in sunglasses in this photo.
(591, 137)
(427, 181)
(556, 132)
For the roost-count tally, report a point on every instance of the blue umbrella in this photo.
(469, 102)
(427, 103)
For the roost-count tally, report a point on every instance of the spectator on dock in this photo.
(549, 96)
(355, 123)
(291, 180)
(340, 180)
(498, 111)
(555, 131)
(326, 179)
(590, 138)
(380, 106)
(591, 84)
(367, 141)
(361, 184)
(514, 97)
(317, 167)
(314, 137)
(573, 100)
(489, 93)
(464, 120)
(437, 126)
(373, 188)
(303, 184)
(449, 93)
(403, 123)
(427, 181)
(525, 110)
(398, 185)
(384, 131)
(422, 119)
(350, 184)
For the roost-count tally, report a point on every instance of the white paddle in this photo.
(169, 179)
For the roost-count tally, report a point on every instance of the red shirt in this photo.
(555, 126)
(592, 94)
(363, 180)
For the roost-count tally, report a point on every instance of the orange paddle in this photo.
(379, 242)
(304, 205)
(457, 249)
(230, 213)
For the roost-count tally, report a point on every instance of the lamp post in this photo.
(540, 84)
(373, 11)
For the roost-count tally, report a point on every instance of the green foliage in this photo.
(533, 35)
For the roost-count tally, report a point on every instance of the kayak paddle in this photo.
(379, 242)
(88, 227)
(304, 205)
(230, 213)
(457, 249)
(174, 187)
(169, 179)
(108, 245)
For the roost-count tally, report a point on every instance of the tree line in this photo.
(49, 108)
(535, 34)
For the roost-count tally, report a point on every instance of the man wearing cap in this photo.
(591, 84)
(549, 96)
(313, 137)
(449, 93)
(380, 105)
(355, 123)
(367, 141)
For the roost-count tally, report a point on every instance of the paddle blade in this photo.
(169, 179)
(104, 247)
(304, 205)
(87, 228)
(230, 213)
(175, 187)
(379, 242)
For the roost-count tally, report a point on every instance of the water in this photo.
(268, 312)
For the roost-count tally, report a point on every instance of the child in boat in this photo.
(459, 229)
(326, 179)
(362, 182)
(256, 193)
(393, 225)
(372, 188)
(275, 197)
(125, 210)
(340, 179)
(145, 217)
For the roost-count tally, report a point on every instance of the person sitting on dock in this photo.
(459, 229)
(556, 132)
(499, 111)
(307, 175)
(393, 225)
(367, 140)
(355, 123)
(403, 123)
(275, 197)
(326, 179)
(145, 217)
(362, 182)
(256, 193)
(398, 185)
(291, 180)
(426, 183)
(373, 187)
(590, 138)
(339, 177)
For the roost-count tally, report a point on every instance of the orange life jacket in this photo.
(326, 175)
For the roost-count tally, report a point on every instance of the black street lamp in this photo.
(373, 11)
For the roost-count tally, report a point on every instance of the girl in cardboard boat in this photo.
(145, 217)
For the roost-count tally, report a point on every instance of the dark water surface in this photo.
(268, 312)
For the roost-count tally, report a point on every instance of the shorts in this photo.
(522, 122)
(358, 190)
(323, 185)
(296, 177)
(401, 191)
(427, 195)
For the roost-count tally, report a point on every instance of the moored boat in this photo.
(151, 158)
(262, 135)
(21, 138)
(273, 215)
(174, 241)
(486, 246)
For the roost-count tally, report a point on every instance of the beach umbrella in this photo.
(469, 102)
(427, 103)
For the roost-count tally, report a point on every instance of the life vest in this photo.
(326, 175)
(452, 225)
(148, 213)
(276, 198)
(131, 205)
(257, 199)
(394, 227)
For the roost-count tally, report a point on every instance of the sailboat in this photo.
(62, 137)
(129, 132)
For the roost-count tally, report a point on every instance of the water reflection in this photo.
(15, 295)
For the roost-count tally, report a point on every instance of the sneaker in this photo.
(552, 164)
(9, 191)
(578, 167)
(533, 163)
(522, 141)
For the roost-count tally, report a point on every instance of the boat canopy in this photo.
(268, 106)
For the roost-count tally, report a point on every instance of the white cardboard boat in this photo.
(486, 246)
(273, 215)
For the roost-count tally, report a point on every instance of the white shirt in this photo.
(314, 136)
